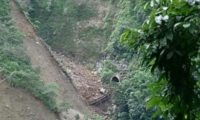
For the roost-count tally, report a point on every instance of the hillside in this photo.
(79, 29)
(49, 71)
(21, 90)
(99, 59)
(74, 50)
(84, 34)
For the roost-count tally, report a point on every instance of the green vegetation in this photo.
(77, 117)
(169, 42)
(130, 15)
(15, 65)
(65, 26)
(64, 106)
(131, 95)
(109, 70)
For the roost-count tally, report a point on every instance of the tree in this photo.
(169, 41)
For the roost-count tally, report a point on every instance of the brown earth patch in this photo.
(17, 104)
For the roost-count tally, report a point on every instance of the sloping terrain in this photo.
(17, 104)
(76, 28)
(49, 71)
(86, 82)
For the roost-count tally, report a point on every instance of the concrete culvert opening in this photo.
(115, 79)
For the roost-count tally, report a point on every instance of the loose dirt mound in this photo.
(40, 57)
(16, 104)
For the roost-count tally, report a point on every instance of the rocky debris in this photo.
(102, 90)
(87, 83)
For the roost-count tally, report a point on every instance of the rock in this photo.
(37, 43)
(99, 81)
(7, 106)
(69, 71)
(102, 90)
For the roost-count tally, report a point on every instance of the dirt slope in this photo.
(40, 56)
(16, 104)
(87, 83)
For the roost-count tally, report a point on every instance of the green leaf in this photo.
(152, 85)
(169, 55)
(162, 77)
(178, 52)
(153, 101)
(152, 61)
(162, 52)
(123, 37)
(176, 2)
(156, 114)
(189, 18)
(169, 35)
(186, 25)
(178, 24)
(153, 13)
(153, 68)
(147, 5)
(152, 3)
(192, 30)
(162, 107)
(192, 53)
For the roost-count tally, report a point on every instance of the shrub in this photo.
(64, 106)
(77, 117)
(106, 75)
(108, 64)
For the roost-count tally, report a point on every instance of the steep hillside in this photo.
(16, 73)
(49, 71)
(77, 28)
(86, 32)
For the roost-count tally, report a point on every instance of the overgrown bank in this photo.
(15, 65)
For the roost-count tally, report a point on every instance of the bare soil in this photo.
(49, 71)
(17, 104)
(87, 83)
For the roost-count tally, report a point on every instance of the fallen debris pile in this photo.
(88, 84)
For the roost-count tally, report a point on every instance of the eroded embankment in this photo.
(40, 57)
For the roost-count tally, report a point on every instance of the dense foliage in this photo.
(15, 65)
(131, 95)
(169, 41)
(130, 15)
